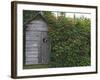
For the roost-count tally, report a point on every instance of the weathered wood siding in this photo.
(36, 51)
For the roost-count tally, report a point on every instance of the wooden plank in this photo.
(28, 42)
(31, 55)
(32, 45)
(32, 49)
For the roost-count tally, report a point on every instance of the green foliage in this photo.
(27, 15)
(70, 40)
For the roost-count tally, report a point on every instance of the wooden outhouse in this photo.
(36, 41)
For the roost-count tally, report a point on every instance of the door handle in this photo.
(45, 40)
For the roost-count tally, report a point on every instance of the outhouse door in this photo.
(36, 44)
(44, 48)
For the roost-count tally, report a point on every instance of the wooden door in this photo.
(44, 48)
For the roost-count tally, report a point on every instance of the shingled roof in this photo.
(37, 16)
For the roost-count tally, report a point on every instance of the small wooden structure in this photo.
(37, 46)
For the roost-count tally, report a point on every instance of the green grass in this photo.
(35, 66)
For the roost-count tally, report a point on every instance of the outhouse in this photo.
(36, 41)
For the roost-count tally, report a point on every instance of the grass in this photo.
(35, 66)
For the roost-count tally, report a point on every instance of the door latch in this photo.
(45, 40)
